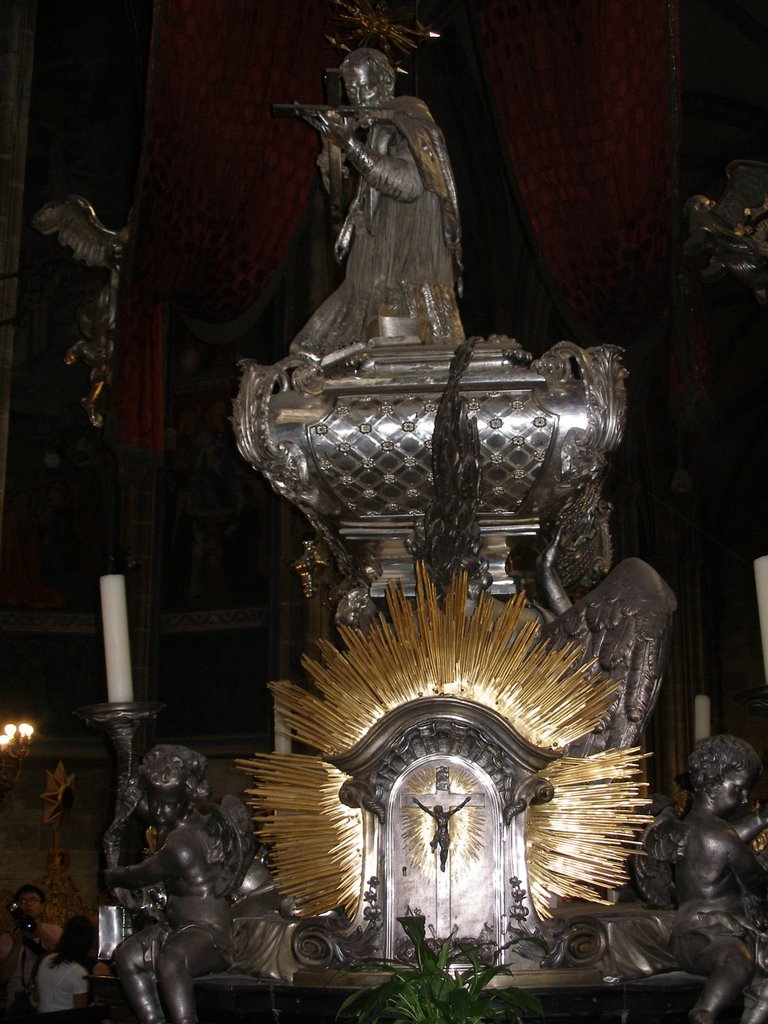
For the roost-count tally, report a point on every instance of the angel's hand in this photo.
(113, 877)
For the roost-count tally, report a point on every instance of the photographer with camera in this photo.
(22, 949)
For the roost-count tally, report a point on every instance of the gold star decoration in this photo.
(58, 795)
(380, 26)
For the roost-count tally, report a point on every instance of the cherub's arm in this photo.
(747, 869)
(171, 860)
(751, 825)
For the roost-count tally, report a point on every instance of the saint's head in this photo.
(368, 78)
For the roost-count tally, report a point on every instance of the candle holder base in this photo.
(110, 715)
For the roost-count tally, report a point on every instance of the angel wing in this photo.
(664, 843)
(75, 222)
(449, 539)
(624, 625)
(230, 828)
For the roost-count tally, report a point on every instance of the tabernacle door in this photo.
(444, 852)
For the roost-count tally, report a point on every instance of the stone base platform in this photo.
(573, 997)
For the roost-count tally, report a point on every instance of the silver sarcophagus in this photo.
(350, 440)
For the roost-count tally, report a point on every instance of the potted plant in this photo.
(431, 992)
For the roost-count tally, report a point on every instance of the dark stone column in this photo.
(16, 56)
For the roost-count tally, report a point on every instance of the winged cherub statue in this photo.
(182, 886)
(704, 862)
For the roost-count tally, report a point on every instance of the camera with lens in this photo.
(24, 922)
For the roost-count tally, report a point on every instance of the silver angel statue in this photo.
(73, 220)
(732, 232)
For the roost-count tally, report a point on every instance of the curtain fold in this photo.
(585, 92)
(222, 184)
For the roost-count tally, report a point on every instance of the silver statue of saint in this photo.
(401, 236)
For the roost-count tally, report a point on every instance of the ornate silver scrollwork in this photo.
(584, 943)
(283, 461)
(326, 941)
(361, 793)
(364, 447)
(601, 371)
(583, 517)
(533, 790)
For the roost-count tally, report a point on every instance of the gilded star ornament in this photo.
(380, 26)
(58, 795)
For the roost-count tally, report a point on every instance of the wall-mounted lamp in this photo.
(14, 747)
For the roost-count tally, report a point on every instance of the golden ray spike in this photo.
(587, 830)
(317, 843)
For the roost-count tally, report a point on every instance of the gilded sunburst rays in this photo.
(490, 657)
(578, 843)
(316, 840)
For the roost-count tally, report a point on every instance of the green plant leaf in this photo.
(429, 993)
(459, 1001)
(444, 956)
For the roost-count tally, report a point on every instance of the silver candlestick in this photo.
(121, 720)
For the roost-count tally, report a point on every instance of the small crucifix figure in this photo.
(442, 836)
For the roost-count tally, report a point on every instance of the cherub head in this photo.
(724, 768)
(173, 779)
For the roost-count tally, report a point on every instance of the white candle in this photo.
(282, 734)
(701, 717)
(117, 648)
(761, 585)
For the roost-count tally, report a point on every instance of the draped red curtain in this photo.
(586, 99)
(222, 184)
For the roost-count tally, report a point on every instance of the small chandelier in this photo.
(14, 747)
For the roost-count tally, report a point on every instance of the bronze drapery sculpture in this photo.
(624, 624)
(401, 235)
(181, 887)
